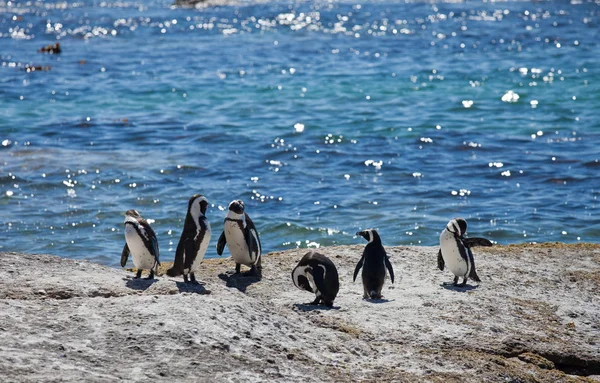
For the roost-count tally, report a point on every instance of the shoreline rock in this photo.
(534, 318)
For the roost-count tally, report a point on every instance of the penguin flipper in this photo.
(257, 247)
(440, 260)
(472, 242)
(318, 276)
(358, 266)
(388, 264)
(177, 268)
(221, 243)
(250, 243)
(473, 274)
(124, 255)
(155, 250)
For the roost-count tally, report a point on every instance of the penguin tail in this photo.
(374, 295)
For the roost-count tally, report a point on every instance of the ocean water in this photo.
(325, 117)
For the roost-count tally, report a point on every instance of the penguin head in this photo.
(237, 206)
(304, 284)
(369, 234)
(132, 215)
(299, 276)
(458, 226)
(197, 205)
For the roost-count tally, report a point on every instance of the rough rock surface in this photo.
(535, 317)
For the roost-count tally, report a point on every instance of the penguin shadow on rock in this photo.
(192, 287)
(455, 254)
(317, 274)
(238, 280)
(139, 284)
(374, 262)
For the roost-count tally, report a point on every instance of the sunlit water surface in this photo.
(324, 117)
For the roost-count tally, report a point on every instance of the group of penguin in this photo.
(314, 273)
(239, 233)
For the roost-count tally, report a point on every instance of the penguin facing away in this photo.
(374, 261)
(455, 251)
(240, 235)
(141, 243)
(317, 274)
(194, 240)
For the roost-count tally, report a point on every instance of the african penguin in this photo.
(317, 274)
(240, 235)
(193, 241)
(374, 261)
(455, 251)
(141, 243)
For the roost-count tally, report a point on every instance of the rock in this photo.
(36, 68)
(205, 3)
(97, 324)
(537, 360)
(51, 49)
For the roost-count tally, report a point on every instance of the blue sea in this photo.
(325, 117)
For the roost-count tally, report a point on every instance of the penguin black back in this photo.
(373, 262)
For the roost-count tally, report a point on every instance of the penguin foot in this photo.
(238, 268)
(253, 272)
(315, 302)
(192, 279)
(150, 276)
(138, 275)
(464, 283)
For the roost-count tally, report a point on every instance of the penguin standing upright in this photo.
(141, 243)
(194, 240)
(374, 261)
(240, 235)
(455, 251)
(317, 274)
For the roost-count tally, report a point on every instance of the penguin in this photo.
(455, 251)
(374, 261)
(317, 274)
(240, 235)
(141, 243)
(194, 240)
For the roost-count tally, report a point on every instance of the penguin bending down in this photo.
(374, 261)
(141, 243)
(194, 240)
(455, 251)
(317, 274)
(240, 235)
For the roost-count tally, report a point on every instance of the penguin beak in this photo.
(360, 234)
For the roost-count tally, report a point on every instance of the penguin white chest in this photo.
(141, 256)
(237, 243)
(201, 250)
(451, 254)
